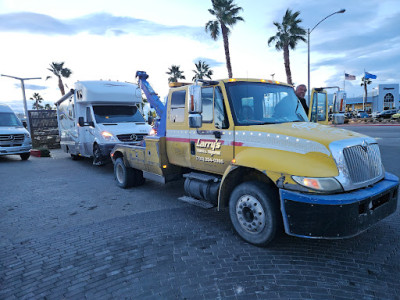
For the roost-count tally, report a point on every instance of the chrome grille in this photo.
(363, 162)
(130, 137)
(12, 137)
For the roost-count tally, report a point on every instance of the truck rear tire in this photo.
(127, 177)
(75, 157)
(123, 175)
(254, 212)
(25, 156)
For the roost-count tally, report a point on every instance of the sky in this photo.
(111, 40)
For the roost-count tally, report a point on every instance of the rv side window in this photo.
(88, 115)
(177, 113)
(71, 108)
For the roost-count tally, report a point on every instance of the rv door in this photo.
(86, 132)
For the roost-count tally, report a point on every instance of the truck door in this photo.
(178, 147)
(318, 112)
(211, 146)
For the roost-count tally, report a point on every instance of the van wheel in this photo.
(97, 157)
(254, 212)
(25, 156)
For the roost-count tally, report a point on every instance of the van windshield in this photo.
(9, 119)
(117, 114)
(256, 103)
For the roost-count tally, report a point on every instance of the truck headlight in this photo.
(27, 136)
(152, 132)
(107, 136)
(326, 184)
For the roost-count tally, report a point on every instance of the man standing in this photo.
(301, 93)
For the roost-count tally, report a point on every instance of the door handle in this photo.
(217, 134)
(192, 148)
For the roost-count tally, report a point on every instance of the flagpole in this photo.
(344, 81)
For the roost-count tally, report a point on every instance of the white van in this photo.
(14, 138)
(96, 115)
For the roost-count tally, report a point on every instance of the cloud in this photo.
(366, 37)
(31, 87)
(96, 24)
(211, 62)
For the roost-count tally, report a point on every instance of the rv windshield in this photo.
(9, 119)
(256, 103)
(117, 114)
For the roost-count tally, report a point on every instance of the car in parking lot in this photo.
(386, 114)
(396, 115)
(362, 115)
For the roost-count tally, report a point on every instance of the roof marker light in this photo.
(263, 80)
(232, 79)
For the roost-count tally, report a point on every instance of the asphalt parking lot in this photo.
(67, 231)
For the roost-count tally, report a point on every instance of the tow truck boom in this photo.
(154, 101)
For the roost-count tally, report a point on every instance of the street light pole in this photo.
(24, 97)
(308, 44)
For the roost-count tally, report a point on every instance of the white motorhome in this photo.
(96, 115)
(14, 138)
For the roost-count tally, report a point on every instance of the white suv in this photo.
(14, 138)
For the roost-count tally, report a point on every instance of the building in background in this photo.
(384, 96)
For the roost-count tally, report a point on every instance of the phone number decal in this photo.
(210, 159)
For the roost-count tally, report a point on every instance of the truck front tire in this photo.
(127, 177)
(25, 156)
(254, 212)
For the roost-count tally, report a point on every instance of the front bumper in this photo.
(15, 150)
(338, 215)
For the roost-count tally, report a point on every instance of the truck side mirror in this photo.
(81, 123)
(195, 120)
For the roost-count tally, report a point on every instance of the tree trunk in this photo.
(365, 94)
(61, 86)
(287, 64)
(226, 46)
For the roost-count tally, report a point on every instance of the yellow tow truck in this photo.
(246, 145)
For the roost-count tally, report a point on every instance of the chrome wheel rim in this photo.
(250, 214)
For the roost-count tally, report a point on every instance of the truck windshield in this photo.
(117, 114)
(9, 119)
(256, 103)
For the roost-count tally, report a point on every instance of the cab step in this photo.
(200, 203)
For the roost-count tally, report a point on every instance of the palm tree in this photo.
(175, 73)
(36, 97)
(365, 82)
(202, 70)
(288, 35)
(58, 70)
(48, 106)
(226, 13)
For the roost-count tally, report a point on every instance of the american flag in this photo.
(349, 77)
